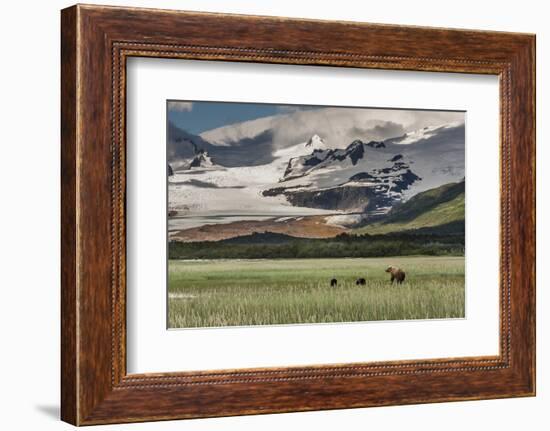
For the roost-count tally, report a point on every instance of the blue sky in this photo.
(198, 117)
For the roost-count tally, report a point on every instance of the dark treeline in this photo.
(277, 246)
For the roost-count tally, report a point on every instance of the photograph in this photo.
(300, 214)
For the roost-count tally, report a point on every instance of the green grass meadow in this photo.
(441, 214)
(215, 293)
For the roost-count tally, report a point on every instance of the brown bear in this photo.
(396, 274)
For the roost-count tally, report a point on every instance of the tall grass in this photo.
(267, 292)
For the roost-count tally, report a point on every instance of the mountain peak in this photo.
(202, 159)
(316, 143)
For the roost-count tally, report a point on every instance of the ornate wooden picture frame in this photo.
(96, 41)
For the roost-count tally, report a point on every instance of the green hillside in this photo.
(439, 207)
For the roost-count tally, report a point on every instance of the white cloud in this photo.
(179, 106)
(337, 126)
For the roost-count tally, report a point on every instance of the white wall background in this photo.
(29, 215)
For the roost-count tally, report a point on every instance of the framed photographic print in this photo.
(266, 215)
(270, 223)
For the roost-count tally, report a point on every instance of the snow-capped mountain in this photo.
(201, 160)
(424, 133)
(361, 177)
(315, 143)
(313, 176)
(436, 151)
(321, 158)
(284, 155)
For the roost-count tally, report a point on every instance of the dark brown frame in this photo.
(96, 41)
